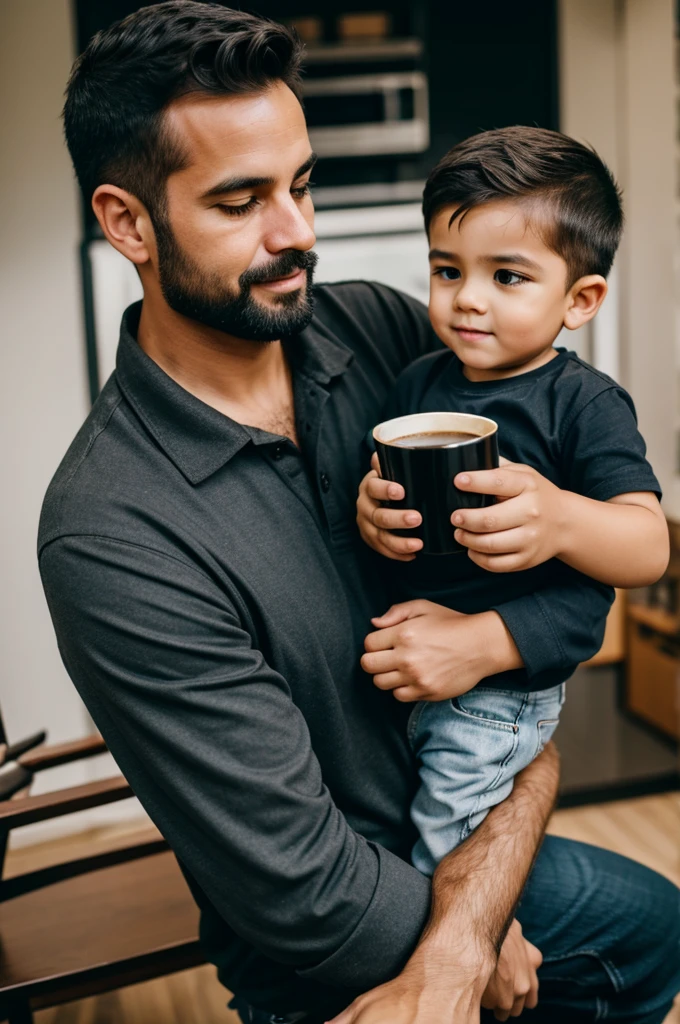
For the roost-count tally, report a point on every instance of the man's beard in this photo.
(202, 296)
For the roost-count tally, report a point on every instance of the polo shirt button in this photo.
(278, 453)
(325, 482)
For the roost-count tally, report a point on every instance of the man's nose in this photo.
(288, 228)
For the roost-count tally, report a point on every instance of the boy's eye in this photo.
(447, 273)
(509, 277)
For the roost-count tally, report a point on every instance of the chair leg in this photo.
(20, 1013)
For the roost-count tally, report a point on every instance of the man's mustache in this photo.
(283, 266)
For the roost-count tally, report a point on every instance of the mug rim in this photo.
(413, 423)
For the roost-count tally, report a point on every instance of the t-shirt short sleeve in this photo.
(603, 450)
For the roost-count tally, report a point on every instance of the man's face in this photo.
(498, 294)
(234, 244)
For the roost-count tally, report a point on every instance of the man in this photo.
(211, 595)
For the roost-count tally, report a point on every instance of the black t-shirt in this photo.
(571, 423)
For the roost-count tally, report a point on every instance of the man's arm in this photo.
(475, 891)
(212, 743)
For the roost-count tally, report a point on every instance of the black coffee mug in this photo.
(413, 452)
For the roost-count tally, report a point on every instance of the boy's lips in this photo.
(470, 333)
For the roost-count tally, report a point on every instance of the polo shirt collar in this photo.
(198, 439)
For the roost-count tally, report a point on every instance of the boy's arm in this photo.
(597, 533)
(422, 651)
(533, 521)
(622, 541)
(604, 519)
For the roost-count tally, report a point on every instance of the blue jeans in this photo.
(469, 750)
(609, 931)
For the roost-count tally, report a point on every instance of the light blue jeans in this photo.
(469, 750)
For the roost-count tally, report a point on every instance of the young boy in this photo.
(523, 226)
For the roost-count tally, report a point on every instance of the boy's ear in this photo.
(583, 300)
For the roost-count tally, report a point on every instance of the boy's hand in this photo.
(375, 522)
(524, 529)
(423, 651)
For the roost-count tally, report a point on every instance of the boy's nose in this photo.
(470, 298)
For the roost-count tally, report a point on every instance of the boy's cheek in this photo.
(440, 312)
(441, 326)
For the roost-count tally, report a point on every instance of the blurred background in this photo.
(389, 87)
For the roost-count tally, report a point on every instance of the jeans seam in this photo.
(467, 827)
(412, 724)
(609, 967)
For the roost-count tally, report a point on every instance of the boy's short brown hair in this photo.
(570, 193)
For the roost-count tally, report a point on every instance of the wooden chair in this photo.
(97, 922)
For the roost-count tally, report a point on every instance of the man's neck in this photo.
(249, 381)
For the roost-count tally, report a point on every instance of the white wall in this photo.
(617, 93)
(44, 392)
(648, 318)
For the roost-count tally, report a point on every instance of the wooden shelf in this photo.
(614, 644)
(656, 618)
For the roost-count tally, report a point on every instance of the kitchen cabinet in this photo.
(653, 668)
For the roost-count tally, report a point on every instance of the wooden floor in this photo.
(647, 829)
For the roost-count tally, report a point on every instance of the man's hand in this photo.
(449, 993)
(375, 522)
(426, 992)
(525, 527)
(514, 984)
(423, 651)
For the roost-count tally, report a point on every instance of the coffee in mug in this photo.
(433, 439)
(424, 452)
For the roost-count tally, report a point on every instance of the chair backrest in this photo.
(21, 761)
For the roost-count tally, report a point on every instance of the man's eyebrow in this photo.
(306, 166)
(245, 183)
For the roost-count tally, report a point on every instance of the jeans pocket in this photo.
(545, 730)
(499, 709)
(544, 710)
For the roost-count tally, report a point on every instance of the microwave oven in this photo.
(371, 114)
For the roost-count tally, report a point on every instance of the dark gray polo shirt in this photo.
(210, 596)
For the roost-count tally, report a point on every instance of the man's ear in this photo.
(583, 300)
(125, 222)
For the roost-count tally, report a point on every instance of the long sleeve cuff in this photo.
(538, 643)
(557, 628)
(387, 933)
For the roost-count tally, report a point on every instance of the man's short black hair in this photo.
(129, 73)
(569, 192)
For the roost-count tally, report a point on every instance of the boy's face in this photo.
(498, 294)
